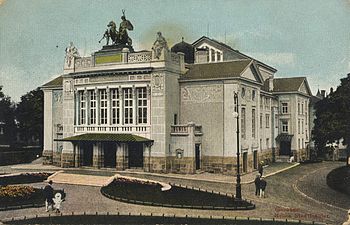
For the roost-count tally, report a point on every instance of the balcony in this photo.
(134, 129)
(187, 129)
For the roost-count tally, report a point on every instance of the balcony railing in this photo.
(83, 63)
(186, 129)
(112, 129)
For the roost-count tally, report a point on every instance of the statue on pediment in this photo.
(159, 45)
(121, 36)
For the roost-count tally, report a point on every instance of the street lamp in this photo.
(238, 180)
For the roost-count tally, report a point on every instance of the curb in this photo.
(296, 189)
(211, 181)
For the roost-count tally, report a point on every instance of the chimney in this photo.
(323, 93)
(270, 80)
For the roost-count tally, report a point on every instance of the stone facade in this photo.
(186, 123)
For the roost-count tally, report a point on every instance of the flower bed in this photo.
(23, 178)
(15, 195)
(149, 193)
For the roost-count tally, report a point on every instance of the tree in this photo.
(332, 117)
(29, 114)
(7, 119)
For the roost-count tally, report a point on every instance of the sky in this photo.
(297, 37)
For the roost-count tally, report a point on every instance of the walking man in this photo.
(48, 194)
(257, 185)
(261, 168)
(262, 187)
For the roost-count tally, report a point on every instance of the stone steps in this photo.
(282, 158)
(61, 177)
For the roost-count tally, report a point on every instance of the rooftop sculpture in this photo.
(119, 38)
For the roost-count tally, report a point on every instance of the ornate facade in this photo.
(157, 112)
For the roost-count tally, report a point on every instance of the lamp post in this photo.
(238, 180)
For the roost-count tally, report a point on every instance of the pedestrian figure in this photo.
(261, 168)
(348, 221)
(257, 185)
(48, 194)
(262, 187)
(57, 201)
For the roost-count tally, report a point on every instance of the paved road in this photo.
(282, 199)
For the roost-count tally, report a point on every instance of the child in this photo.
(57, 200)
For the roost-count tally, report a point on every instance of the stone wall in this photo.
(67, 160)
(56, 160)
(185, 165)
(158, 165)
(47, 157)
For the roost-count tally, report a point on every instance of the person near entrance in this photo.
(257, 185)
(48, 194)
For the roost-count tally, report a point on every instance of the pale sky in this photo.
(297, 37)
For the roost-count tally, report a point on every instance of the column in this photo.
(108, 106)
(97, 106)
(148, 89)
(120, 157)
(76, 155)
(76, 106)
(134, 105)
(87, 100)
(97, 159)
(121, 103)
(147, 157)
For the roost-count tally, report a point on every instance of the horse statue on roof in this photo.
(121, 36)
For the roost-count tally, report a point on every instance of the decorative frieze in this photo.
(84, 62)
(57, 96)
(202, 93)
(81, 81)
(157, 84)
(115, 77)
(139, 57)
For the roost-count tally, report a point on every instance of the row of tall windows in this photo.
(119, 106)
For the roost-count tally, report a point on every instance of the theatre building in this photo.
(173, 110)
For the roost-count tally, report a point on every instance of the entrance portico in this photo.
(119, 151)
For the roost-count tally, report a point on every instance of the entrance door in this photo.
(245, 161)
(109, 152)
(87, 154)
(285, 148)
(135, 155)
(255, 159)
(198, 156)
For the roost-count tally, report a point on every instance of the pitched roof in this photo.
(287, 84)
(58, 81)
(238, 52)
(216, 70)
(106, 138)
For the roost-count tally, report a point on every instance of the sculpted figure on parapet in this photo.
(121, 36)
(159, 45)
(71, 53)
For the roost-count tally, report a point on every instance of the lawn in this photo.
(23, 178)
(150, 194)
(339, 179)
